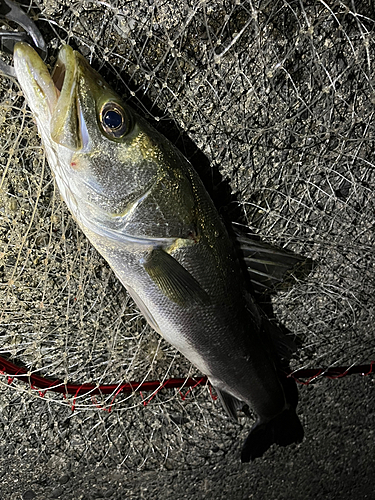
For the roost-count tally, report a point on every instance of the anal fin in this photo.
(230, 404)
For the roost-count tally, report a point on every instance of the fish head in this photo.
(103, 155)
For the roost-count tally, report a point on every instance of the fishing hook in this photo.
(12, 12)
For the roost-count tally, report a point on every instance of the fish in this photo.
(145, 209)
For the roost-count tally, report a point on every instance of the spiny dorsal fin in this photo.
(270, 268)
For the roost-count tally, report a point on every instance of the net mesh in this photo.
(273, 104)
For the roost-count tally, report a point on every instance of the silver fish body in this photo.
(144, 208)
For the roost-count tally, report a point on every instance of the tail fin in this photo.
(284, 429)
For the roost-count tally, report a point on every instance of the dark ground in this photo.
(334, 461)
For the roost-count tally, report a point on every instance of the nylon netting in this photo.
(273, 103)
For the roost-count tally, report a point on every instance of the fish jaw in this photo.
(52, 98)
(36, 82)
(46, 97)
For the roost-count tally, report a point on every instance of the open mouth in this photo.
(58, 75)
(37, 83)
(65, 122)
(63, 74)
(53, 97)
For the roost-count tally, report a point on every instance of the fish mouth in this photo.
(53, 98)
(35, 80)
(59, 71)
(67, 125)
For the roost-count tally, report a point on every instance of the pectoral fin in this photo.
(173, 279)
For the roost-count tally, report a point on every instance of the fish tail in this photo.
(283, 430)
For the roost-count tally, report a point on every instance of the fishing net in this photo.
(273, 104)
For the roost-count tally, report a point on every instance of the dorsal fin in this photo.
(270, 268)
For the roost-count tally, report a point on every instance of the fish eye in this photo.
(115, 121)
